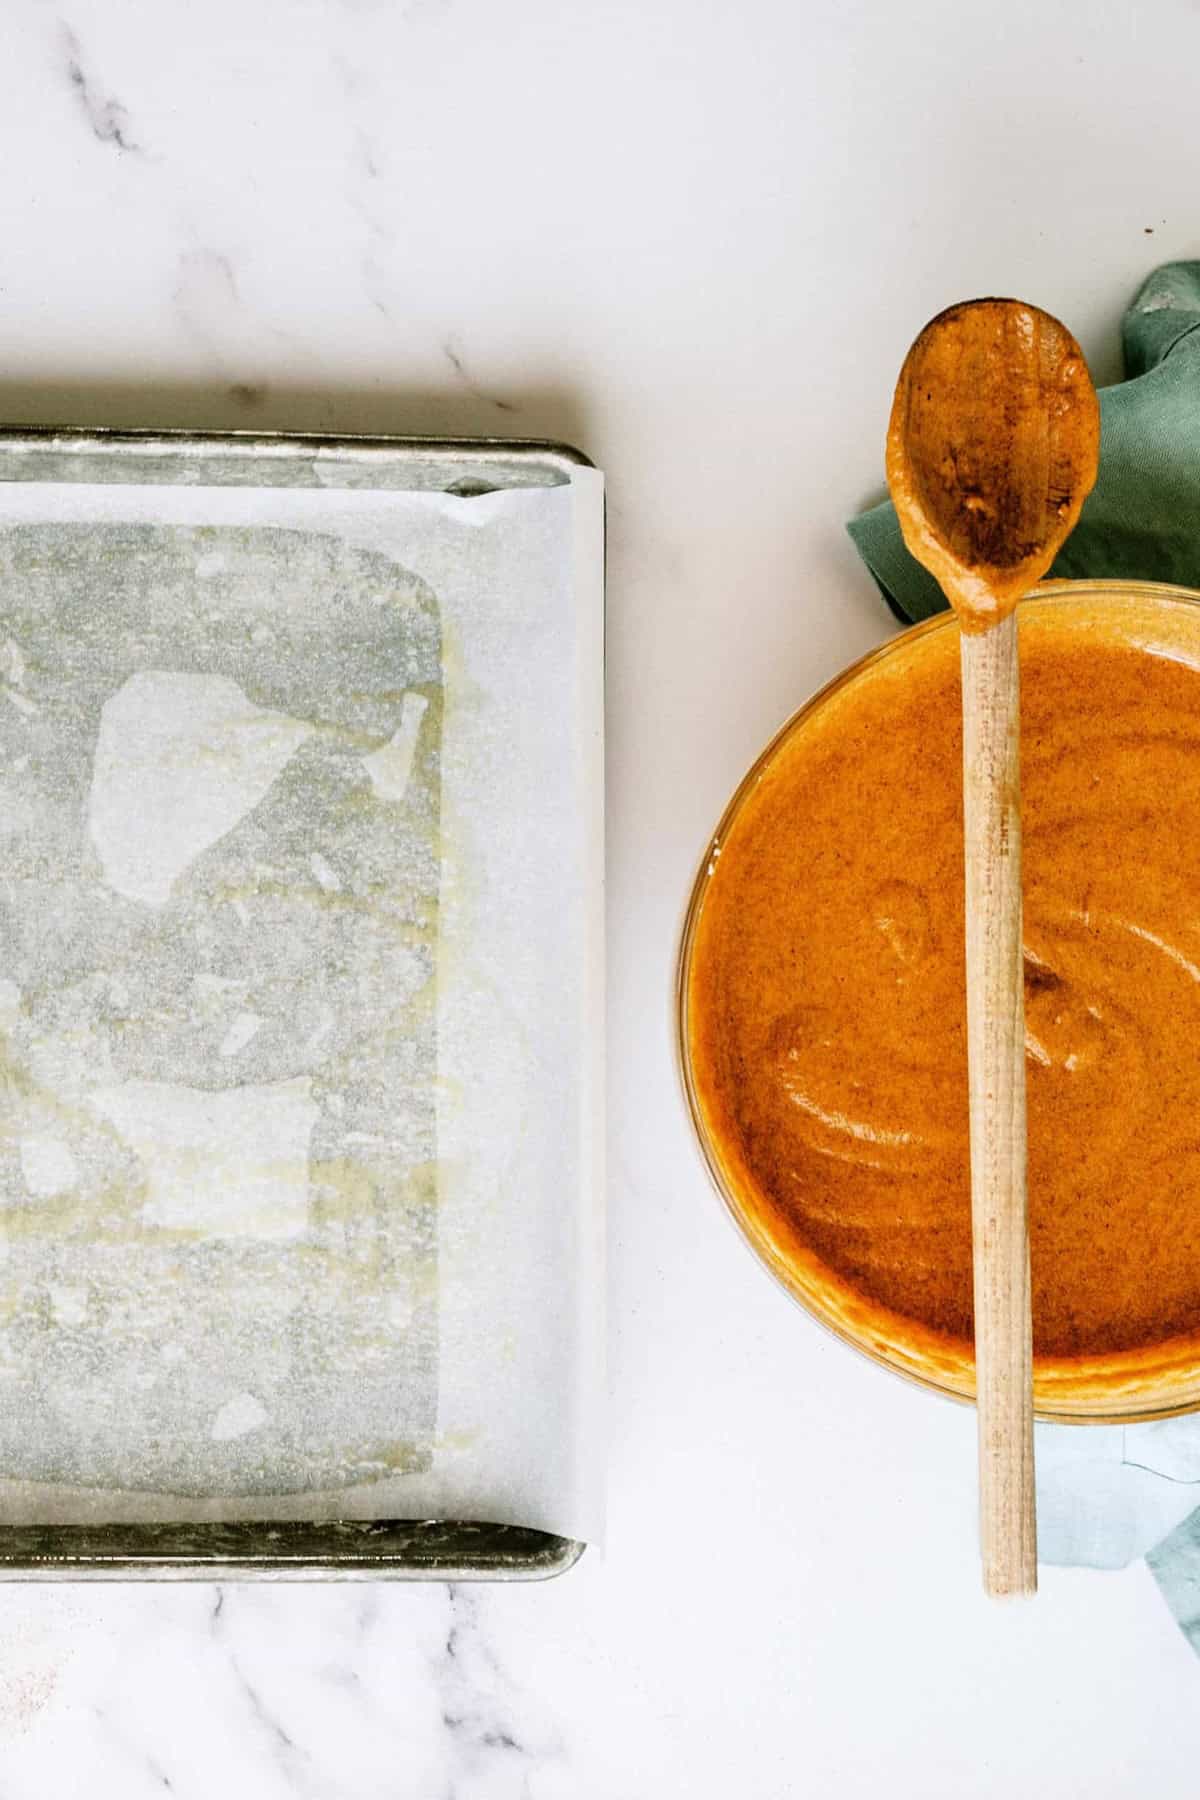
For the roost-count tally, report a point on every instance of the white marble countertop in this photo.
(695, 239)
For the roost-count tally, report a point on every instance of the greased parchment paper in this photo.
(300, 1004)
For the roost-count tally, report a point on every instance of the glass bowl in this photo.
(1155, 1381)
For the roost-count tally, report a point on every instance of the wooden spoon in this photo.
(992, 448)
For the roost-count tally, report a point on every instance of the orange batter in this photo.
(826, 1000)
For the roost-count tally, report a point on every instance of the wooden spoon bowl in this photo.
(992, 448)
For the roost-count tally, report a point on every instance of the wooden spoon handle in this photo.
(996, 1063)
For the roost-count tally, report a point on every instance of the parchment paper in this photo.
(301, 1002)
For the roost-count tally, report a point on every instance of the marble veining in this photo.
(107, 119)
(460, 1724)
(453, 352)
(482, 1715)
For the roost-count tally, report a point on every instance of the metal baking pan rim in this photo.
(299, 443)
(383, 1550)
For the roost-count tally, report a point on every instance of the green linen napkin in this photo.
(1142, 518)
(1107, 1496)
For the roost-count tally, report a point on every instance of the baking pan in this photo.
(405, 1549)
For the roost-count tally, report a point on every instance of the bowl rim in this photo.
(1116, 1390)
